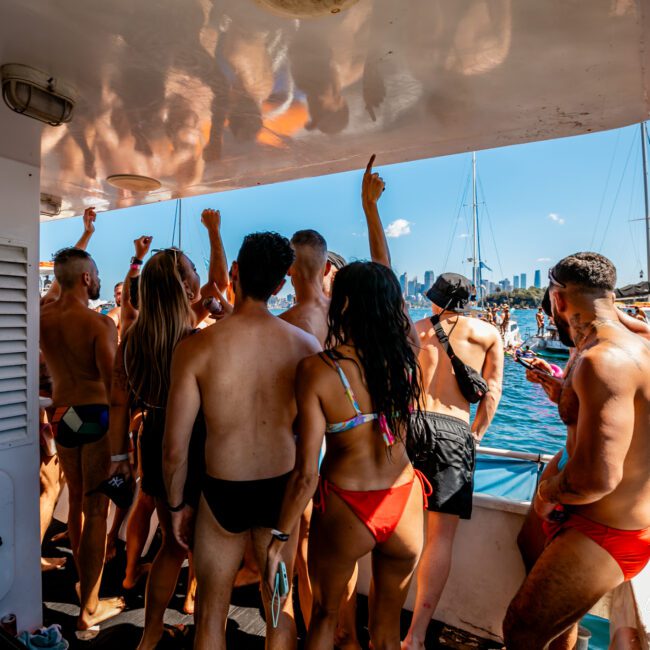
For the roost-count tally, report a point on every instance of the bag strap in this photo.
(442, 337)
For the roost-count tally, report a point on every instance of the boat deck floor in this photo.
(246, 625)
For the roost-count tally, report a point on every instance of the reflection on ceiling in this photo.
(209, 95)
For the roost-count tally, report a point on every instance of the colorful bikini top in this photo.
(359, 418)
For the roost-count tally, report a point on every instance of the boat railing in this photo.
(509, 453)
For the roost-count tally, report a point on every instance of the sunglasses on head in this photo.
(554, 281)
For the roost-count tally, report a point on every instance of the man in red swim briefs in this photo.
(595, 495)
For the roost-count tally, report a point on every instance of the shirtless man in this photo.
(600, 483)
(241, 371)
(114, 314)
(539, 317)
(447, 456)
(79, 346)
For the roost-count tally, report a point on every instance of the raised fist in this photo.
(372, 186)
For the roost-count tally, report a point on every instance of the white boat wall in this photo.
(163, 91)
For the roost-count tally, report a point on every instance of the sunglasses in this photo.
(554, 281)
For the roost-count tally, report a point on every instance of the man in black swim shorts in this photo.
(445, 449)
(241, 372)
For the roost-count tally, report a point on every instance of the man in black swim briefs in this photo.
(78, 345)
(241, 372)
(445, 454)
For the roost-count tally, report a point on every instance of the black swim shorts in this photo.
(446, 456)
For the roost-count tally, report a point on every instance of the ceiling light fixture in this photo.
(37, 94)
(134, 182)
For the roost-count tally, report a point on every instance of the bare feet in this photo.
(246, 576)
(188, 605)
(106, 608)
(52, 563)
(140, 570)
(410, 643)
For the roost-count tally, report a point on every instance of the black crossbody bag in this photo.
(471, 383)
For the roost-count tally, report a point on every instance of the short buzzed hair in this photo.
(590, 271)
(315, 262)
(69, 264)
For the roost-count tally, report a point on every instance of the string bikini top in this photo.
(359, 418)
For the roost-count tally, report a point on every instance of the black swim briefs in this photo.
(74, 426)
(446, 456)
(241, 505)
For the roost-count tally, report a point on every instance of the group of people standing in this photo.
(338, 429)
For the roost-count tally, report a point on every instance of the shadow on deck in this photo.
(246, 625)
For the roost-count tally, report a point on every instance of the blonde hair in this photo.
(164, 318)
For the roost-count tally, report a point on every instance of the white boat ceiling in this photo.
(211, 95)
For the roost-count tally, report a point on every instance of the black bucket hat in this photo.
(450, 291)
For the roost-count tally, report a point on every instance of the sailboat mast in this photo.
(644, 138)
(475, 267)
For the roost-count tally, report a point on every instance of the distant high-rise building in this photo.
(429, 279)
(538, 279)
(522, 281)
(516, 281)
(411, 287)
(505, 285)
(403, 282)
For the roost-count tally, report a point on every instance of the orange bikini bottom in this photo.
(630, 548)
(379, 510)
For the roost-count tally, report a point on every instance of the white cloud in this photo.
(553, 216)
(398, 228)
(463, 235)
(544, 259)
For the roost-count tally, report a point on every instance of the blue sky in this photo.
(538, 202)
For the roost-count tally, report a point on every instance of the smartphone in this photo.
(281, 580)
(529, 366)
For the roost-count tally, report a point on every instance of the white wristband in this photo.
(118, 457)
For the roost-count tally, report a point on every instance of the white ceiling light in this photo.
(37, 94)
(133, 182)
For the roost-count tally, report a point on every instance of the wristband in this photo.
(177, 508)
(119, 457)
(134, 267)
(136, 261)
(279, 535)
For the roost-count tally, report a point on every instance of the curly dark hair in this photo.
(367, 311)
(263, 261)
(590, 271)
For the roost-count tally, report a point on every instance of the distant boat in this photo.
(548, 344)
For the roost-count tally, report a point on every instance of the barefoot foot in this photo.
(52, 563)
(130, 581)
(106, 608)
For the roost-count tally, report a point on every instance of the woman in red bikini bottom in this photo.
(359, 393)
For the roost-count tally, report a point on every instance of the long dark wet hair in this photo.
(367, 311)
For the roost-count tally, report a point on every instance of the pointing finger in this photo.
(370, 163)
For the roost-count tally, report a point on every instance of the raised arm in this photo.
(604, 431)
(493, 374)
(183, 406)
(218, 270)
(128, 311)
(634, 325)
(372, 187)
(89, 217)
(118, 419)
(310, 429)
